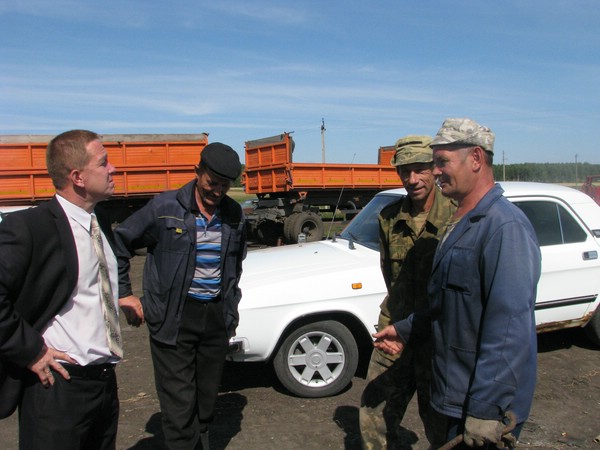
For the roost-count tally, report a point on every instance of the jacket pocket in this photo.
(458, 375)
(175, 237)
(462, 264)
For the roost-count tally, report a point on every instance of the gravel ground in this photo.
(254, 412)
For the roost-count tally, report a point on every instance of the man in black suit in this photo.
(59, 332)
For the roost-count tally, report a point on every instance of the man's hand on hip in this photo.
(46, 362)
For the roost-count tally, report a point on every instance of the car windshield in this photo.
(364, 228)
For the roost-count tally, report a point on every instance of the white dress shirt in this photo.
(78, 329)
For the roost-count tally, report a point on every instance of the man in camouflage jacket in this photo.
(409, 232)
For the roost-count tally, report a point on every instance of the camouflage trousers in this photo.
(390, 388)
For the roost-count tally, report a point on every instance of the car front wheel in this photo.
(317, 360)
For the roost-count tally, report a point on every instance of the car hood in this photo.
(325, 269)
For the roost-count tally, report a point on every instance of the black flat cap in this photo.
(222, 160)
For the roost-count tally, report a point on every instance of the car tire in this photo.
(592, 329)
(317, 360)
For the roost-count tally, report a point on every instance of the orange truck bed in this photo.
(269, 169)
(292, 196)
(146, 164)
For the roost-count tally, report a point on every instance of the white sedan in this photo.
(310, 308)
(5, 210)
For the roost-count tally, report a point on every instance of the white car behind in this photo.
(310, 308)
(5, 210)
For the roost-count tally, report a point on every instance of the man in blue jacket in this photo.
(196, 241)
(482, 294)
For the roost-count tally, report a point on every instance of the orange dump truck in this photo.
(292, 195)
(146, 164)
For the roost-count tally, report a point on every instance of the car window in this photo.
(552, 223)
(364, 228)
(572, 232)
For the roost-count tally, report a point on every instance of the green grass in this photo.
(238, 194)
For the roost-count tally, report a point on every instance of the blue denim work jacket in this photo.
(482, 294)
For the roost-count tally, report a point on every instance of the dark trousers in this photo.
(79, 414)
(188, 374)
(390, 387)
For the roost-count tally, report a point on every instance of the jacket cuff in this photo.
(484, 410)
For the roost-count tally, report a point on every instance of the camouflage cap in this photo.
(464, 131)
(412, 149)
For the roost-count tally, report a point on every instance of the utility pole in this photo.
(503, 167)
(576, 174)
(323, 140)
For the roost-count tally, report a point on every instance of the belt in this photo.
(92, 371)
(201, 300)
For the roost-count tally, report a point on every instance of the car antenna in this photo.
(338, 202)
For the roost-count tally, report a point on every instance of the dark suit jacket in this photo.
(38, 272)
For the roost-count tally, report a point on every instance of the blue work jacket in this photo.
(482, 294)
(166, 225)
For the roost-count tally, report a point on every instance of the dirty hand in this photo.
(46, 362)
(132, 308)
(479, 432)
(388, 341)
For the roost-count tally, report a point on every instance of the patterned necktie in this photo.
(111, 319)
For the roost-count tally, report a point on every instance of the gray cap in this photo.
(222, 160)
(458, 131)
(412, 149)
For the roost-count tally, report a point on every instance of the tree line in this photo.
(541, 172)
(546, 172)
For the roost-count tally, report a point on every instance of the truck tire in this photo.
(268, 232)
(317, 360)
(305, 222)
(287, 229)
(592, 328)
(351, 208)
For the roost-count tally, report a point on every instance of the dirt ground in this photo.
(254, 412)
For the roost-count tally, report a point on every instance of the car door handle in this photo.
(590, 255)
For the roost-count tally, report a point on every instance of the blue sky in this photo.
(247, 69)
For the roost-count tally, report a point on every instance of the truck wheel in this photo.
(305, 222)
(352, 210)
(592, 329)
(317, 360)
(288, 229)
(268, 232)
